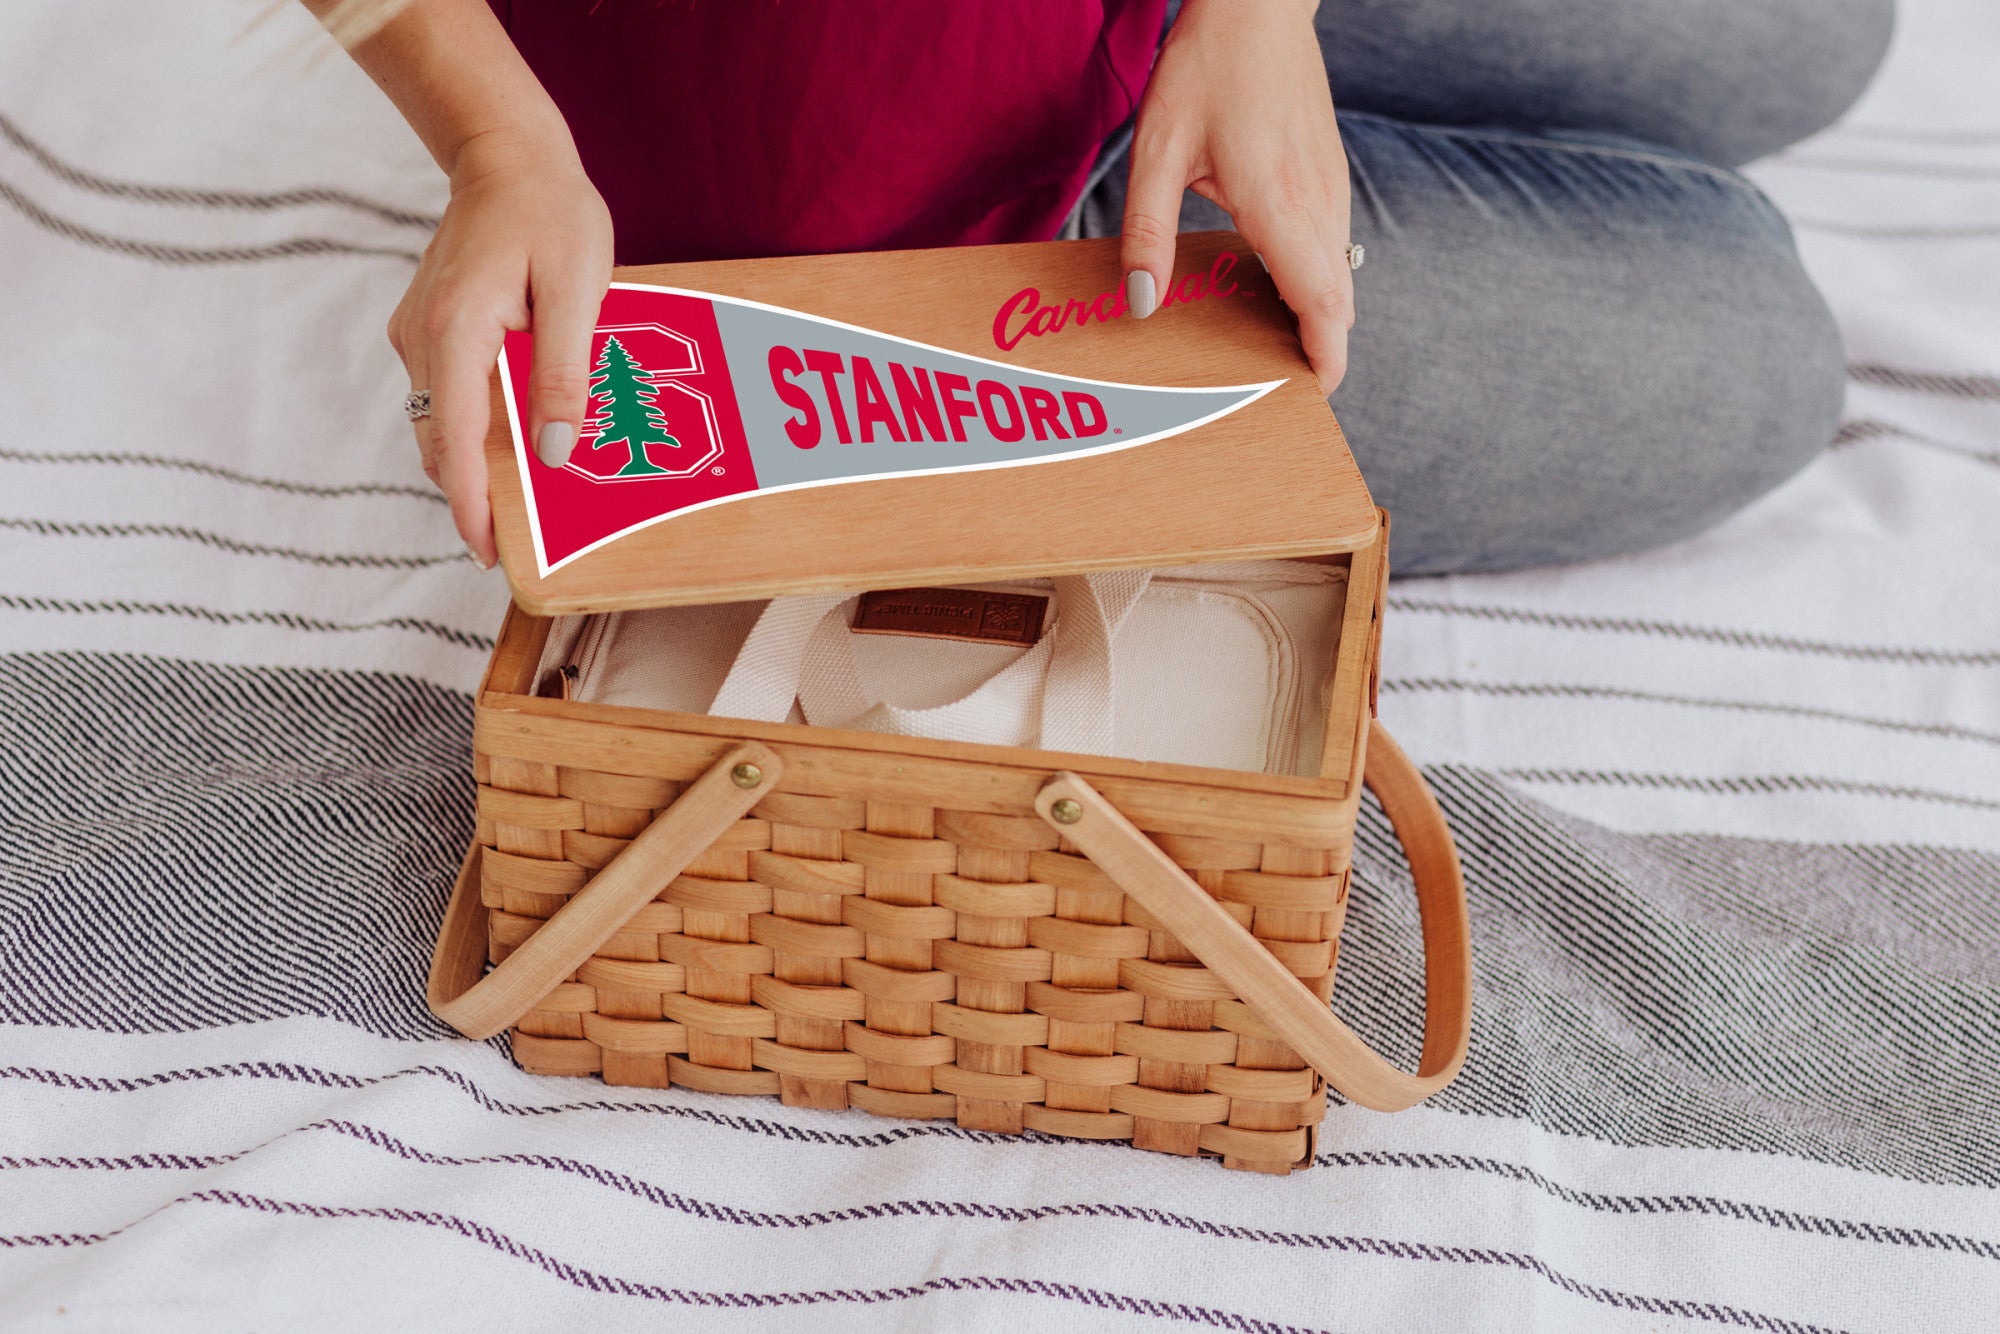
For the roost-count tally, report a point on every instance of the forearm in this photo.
(525, 240)
(451, 70)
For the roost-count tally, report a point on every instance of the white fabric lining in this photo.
(1224, 666)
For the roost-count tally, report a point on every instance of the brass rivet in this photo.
(747, 775)
(1066, 811)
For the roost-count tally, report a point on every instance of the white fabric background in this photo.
(204, 460)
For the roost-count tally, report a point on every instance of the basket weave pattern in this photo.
(914, 961)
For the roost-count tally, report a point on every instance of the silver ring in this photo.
(417, 404)
(1356, 256)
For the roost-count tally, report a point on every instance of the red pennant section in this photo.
(662, 410)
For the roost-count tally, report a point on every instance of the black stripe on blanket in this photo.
(196, 467)
(162, 253)
(1720, 635)
(675, 1201)
(189, 845)
(1569, 691)
(1184, 1313)
(186, 846)
(190, 197)
(1752, 785)
(1840, 1003)
(1859, 429)
(283, 620)
(362, 560)
(1924, 382)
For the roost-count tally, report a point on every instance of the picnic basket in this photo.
(1012, 938)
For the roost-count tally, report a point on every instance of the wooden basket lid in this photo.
(1270, 477)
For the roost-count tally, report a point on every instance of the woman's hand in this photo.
(525, 241)
(1238, 109)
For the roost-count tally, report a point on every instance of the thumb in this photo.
(1152, 220)
(565, 313)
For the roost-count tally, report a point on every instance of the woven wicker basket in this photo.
(1014, 939)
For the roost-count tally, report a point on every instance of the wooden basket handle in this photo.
(1297, 1016)
(480, 1006)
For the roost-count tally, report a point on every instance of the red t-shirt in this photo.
(734, 128)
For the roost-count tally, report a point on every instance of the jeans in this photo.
(1578, 333)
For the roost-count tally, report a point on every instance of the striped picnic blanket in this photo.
(1730, 816)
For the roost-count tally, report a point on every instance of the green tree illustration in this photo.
(627, 412)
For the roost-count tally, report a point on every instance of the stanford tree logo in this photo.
(651, 413)
(628, 413)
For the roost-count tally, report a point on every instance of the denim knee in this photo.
(1813, 62)
(1565, 352)
(1726, 81)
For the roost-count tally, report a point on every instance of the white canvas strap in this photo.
(1057, 695)
(1076, 706)
(1003, 711)
(764, 679)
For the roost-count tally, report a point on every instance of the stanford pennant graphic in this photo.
(698, 400)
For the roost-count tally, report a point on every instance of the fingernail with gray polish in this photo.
(1140, 293)
(476, 558)
(557, 439)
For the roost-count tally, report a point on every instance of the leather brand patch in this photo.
(953, 613)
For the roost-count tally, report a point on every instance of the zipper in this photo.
(586, 662)
(575, 671)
